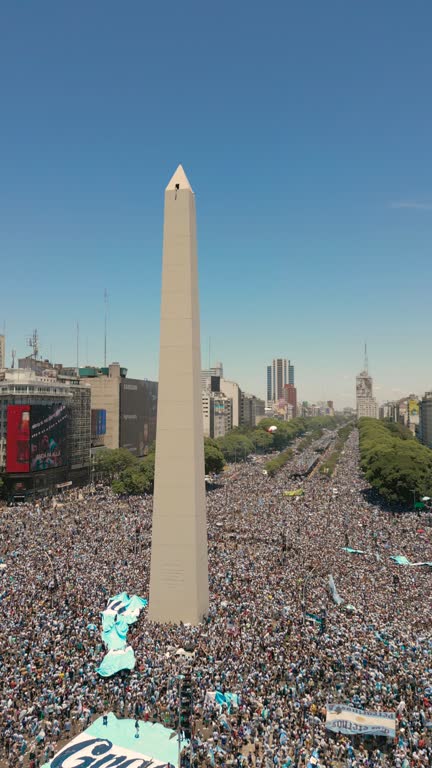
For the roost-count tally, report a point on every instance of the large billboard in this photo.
(48, 439)
(413, 406)
(18, 438)
(138, 406)
(98, 422)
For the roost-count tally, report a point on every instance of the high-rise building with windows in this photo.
(425, 422)
(366, 403)
(209, 373)
(290, 395)
(279, 373)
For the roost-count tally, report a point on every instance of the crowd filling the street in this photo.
(275, 636)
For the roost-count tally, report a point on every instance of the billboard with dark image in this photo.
(18, 438)
(138, 406)
(48, 441)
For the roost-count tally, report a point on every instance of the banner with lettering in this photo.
(121, 742)
(349, 720)
(87, 750)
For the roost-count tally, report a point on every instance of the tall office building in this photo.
(425, 421)
(232, 390)
(2, 352)
(291, 374)
(209, 373)
(366, 403)
(217, 413)
(252, 410)
(279, 373)
(290, 395)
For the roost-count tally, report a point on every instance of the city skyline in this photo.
(308, 143)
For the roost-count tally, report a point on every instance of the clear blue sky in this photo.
(305, 129)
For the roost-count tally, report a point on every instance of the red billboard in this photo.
(18, 438)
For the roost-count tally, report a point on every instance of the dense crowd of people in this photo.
(270, 558)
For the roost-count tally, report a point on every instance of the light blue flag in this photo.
(227, 698)
(114, 661)
(354, 551)
(121, 611)
(400, 559)
(334, 593)
(115, 637)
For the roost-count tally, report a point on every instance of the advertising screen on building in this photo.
(48, 441)
(18, 438)
(413, 408)
(98, 422)
(138, 406)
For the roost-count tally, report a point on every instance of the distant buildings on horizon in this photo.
(225, 405)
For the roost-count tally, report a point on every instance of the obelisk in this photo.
(179, 565)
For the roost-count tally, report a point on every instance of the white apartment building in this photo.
(217, 414)
(232, 390)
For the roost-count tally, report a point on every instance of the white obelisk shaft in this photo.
(179, 567)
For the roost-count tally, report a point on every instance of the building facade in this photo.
(252, 410)
(130, 406)
(425, 420)
(365, 401)
(232, 390)
(217, 414)
(279, 373)
(44, 432)
(208, 373)
(138, 411)
(290, 397)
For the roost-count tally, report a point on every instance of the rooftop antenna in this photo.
(77, 347)
(33, 343)
(105, 330)
(366, 363)
(209, 352)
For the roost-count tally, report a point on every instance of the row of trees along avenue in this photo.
(127, 474)
(394, 462)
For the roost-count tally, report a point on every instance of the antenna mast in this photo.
(33, 343)
(105, 330)
(77, 347)
(366, 363)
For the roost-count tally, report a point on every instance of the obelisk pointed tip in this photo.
(179, 180)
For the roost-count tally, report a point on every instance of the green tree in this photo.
(235, 446)
(214, 459)
(263, 442)
(394, 463)
(110, 463)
